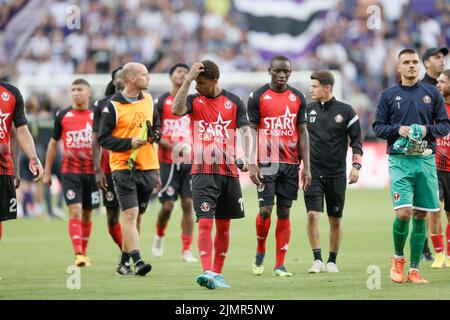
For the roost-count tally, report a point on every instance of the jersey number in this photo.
(13, 205)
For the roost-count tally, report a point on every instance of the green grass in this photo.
(34, 256)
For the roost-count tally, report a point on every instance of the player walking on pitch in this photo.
(277, 117)
(74, 126)
(215, 115)
(411, 114)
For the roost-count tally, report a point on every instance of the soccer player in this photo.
(332, 127)
(103, 176)
(124, 128)
(175, 175)
(277, 113)
(443, 174)
(74, 126)
(12, 112)
(215, 116)
(413, 178)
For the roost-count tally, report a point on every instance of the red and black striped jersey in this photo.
(213, 125)
(443, 149)
(277, 116)
(98, 108)
(174, 129)
(11, 111)
(74, 127)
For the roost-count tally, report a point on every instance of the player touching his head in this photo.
(215, 116)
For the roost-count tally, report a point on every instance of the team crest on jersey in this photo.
(109, 196)
(205, 207)
(70, 194)
(228, 104)
(396, 197)
(170, 191)
(426, 99)
(338, 118)
(292, 97)
(5, 96)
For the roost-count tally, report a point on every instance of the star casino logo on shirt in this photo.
(215, 131)
(280, 126)
(3, 127)
(176, 127)
(79, 139)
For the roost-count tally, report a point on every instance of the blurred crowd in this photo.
(160, 32)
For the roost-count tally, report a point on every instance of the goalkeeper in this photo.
(410, 116)
(128, 127)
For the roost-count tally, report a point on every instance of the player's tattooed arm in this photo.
(179, 105)
(304, 150)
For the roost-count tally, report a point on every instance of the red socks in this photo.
(160, 230)
(86, 227)
(282, 235)
(447, 235)
(221, 244)
(262, 230)
(76, 235)
(438, 242)
(116, 233)
(186, 240)
(205, 243)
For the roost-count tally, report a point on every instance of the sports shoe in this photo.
(447, 263)
(80, 260)
(187, 256)
(142, 269)
(439, 261)
(124, 269)
(258, 266)
(397, 273)
(220, 282)
(281, 272)
(415, 277)
(157, 246)
(88, 261)
(332, 267)
(317, 267)
(207, 280)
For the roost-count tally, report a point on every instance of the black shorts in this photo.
(334, 191)
(217, 196)
(81, 188)
(444, 188)
(283, 184)
(8, 200)
(109, 196)
(175, 180)
(134, 192)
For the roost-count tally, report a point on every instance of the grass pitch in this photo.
(35, 254)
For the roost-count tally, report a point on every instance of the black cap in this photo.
(433, 51)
